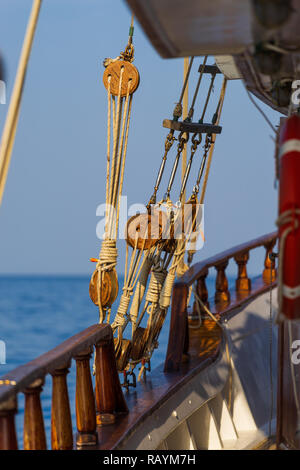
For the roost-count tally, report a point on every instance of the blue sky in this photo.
(57, 174)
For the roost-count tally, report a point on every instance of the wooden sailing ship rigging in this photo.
(208, 394)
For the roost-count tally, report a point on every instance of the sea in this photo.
(39, 312)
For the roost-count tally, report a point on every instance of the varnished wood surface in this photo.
(34, 437)
(146, 398)
(193, 127)
(178, 328)
(196, 270)
(85, 401)
(8, 436)
(58, 357)
(190, 350)
(130, 77)
(61, 422)
(204, 344)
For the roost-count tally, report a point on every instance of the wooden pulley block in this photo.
(138, 343)
(144, 230)
(123, 353)
(130, 75)
(109, 287)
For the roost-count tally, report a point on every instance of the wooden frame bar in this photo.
(193, 127)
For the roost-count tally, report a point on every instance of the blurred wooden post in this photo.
(8, 436)
(109, 396)
(269, 273)
(202, 289)
(85, 401)
(243, 283)
(34, 431)
(222, 295)
(177, 344)
(61, 423)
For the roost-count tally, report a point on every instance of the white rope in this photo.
(10, 127)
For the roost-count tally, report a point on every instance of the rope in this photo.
(123, 163)
(211, 151)
(213, 77)
(166, 293)
(10, 127)
(178, 108)
(157, 280)
(191, 111)
(139, 292)
(130, 280)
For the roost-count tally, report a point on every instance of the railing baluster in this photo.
(8, 437)
(269, 273)
(243, 283)
(34, 431)
(85, 401)
(222, 295)
(201, 291)
(61, 423)
(109, 396)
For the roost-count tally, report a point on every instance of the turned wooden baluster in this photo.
(109, 396)
(85, 401)
(269, 273)
(222, 295)
(61, 423)
(8, 437)
(202, 292)
(34, 431)
(243, 283)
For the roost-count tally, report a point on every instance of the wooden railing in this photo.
(224, 301)
(30, 377)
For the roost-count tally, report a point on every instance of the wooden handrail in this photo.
(178, 336)
(29, 379)
(197, 269)
(54, 359)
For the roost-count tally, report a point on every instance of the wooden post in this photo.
(61, 423)
(202, 292)
(109, 396)
(177, 344)
(8, 437)
(85, 401)
(222, 295)
(34, 431)
(269, 273)
(202, 289)
(243, 283)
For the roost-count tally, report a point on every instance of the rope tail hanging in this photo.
(10, 127)
(121, 79)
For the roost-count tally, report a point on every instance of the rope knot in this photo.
(157, 280)
(165, 295)
(108, 255)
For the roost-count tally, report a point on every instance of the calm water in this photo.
(38, 313)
